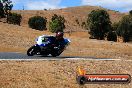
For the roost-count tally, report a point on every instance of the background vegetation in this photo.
(57, 23)
(37, 22)
(99, 24)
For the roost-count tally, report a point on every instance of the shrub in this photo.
(77, 21)
(54, 26)
(125, 28)
(45, 9)
(83, 25)
(14, 18)
(57, 23)
(130, 12)
(112, 36)
(99, 24)
(37, 22)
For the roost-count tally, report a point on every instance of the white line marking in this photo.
(89, 59)
(63, 59)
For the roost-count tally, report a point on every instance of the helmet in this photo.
(59, 35)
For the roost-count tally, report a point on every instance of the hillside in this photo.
(19, 39)
(71, 15)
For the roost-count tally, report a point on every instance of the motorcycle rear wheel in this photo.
(56, 53)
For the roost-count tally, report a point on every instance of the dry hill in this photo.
(71, 15)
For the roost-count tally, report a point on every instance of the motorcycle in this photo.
(45, 46)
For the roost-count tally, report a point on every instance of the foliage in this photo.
(77, 21)
(6, 6)
(1, 10)
(125, 28)
(130, 12)
(112, 36)
(37, 22)
(57, 23)
(83, 25)
(99, 24)
(14, 18)
(115, 26)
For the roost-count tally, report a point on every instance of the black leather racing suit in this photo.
(60, 43)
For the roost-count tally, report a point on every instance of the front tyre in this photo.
(31, 51)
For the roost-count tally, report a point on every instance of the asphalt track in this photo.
(21, 56)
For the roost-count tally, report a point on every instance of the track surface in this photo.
(20, 56)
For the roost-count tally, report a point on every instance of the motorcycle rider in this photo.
(59, 40)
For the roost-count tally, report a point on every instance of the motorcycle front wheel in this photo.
(31, 51)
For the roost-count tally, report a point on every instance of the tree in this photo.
(115, 26)
(7, 5)
(57, 23)
(99, 24)
(112, 36)
(1, 10)
(130, 12)
(5, 8)
(124, 29)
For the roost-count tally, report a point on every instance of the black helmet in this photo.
(59, 35)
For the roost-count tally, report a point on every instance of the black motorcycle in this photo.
(45, 46)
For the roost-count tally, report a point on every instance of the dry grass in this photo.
(58, 74)
(99, 49)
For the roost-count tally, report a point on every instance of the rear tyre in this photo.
(31, 51)
(56, 53)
